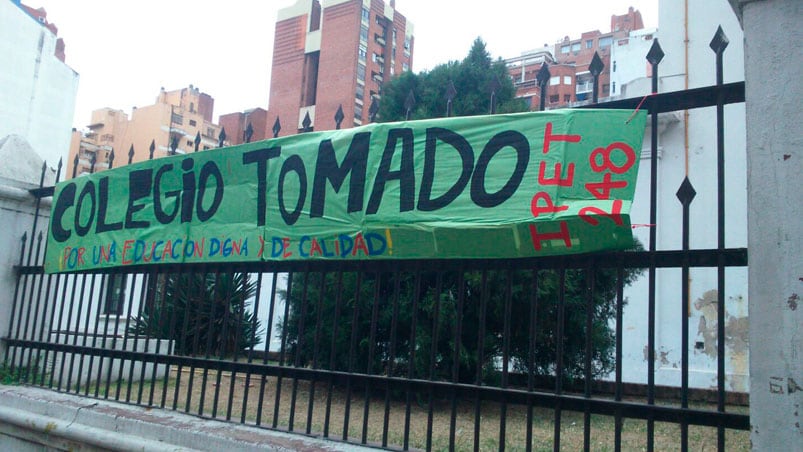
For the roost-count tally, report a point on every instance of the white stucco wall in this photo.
(703, 19)
(37, 98)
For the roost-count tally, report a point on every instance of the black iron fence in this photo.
(457, 354)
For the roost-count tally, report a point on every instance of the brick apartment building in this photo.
(568, 62)
(177, 117)
(328, 55)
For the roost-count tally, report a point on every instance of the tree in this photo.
(203, 313)
(406, 323)
(472, 77)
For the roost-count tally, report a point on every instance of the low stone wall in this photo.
(33, 419)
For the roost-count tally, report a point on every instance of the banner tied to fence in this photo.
(501, 186)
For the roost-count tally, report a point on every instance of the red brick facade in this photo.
(360, 48)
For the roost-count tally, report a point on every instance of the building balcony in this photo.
(585, 87)
(379, 39)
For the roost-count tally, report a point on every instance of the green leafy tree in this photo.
(203, 313)
(472, 77)
(330, 318)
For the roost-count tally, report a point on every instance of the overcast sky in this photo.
(125, 51)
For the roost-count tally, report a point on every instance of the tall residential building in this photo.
(37, 88)
(177, 119)
(331, 55)
(569, 59)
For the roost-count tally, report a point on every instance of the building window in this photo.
(361, 72)
(364, 33)
(614, 66)
(567, 98)
(210, 132)
(190, 143)
(590, 44)
(176, 118)
(115, 295)
(605, 42)
(565, 49)
(358, 112)
(363, 52)
(192, 107)
(360, 92)
(366, 15)
(405, 67)
(576, 47)
(613, 87)
(567, 79)
(553, 99)
(554, 80)
(193, 123)
(107, 137)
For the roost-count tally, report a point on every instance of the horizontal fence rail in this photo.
(421, 354)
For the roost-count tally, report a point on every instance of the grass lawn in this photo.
(222, 388)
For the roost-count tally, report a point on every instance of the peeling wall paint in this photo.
(736, 337)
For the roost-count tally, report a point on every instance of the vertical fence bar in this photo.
(718, 44)
(40, 280)
(589, 330)
(542, 79)
(533, 330)
(433, 355)
(352, 348)
(241, 279)
(282, 351)
(411, 364)
(595, 68)
(49, 327)
(172, 342)
(620, 301)
(505, 356)
(95, 342)
(196, 283)
(458, 336)
(480, 351)
(58, 328)
(299, 346)
(559, 354)
(150, 304)
(125, 337)
(685, 194)
(253, 341)
(371, 350)
(75, 332)
(333, 351)
(322, 286)
(268, 336)
(392, 355)
(180, 345)
(85, 333)
(227, 278)
(654, 56)
(14, 303)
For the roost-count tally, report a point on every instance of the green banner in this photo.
(519, 185)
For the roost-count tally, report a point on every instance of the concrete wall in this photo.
(17, 213)
(37, 99)
(772, 34)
